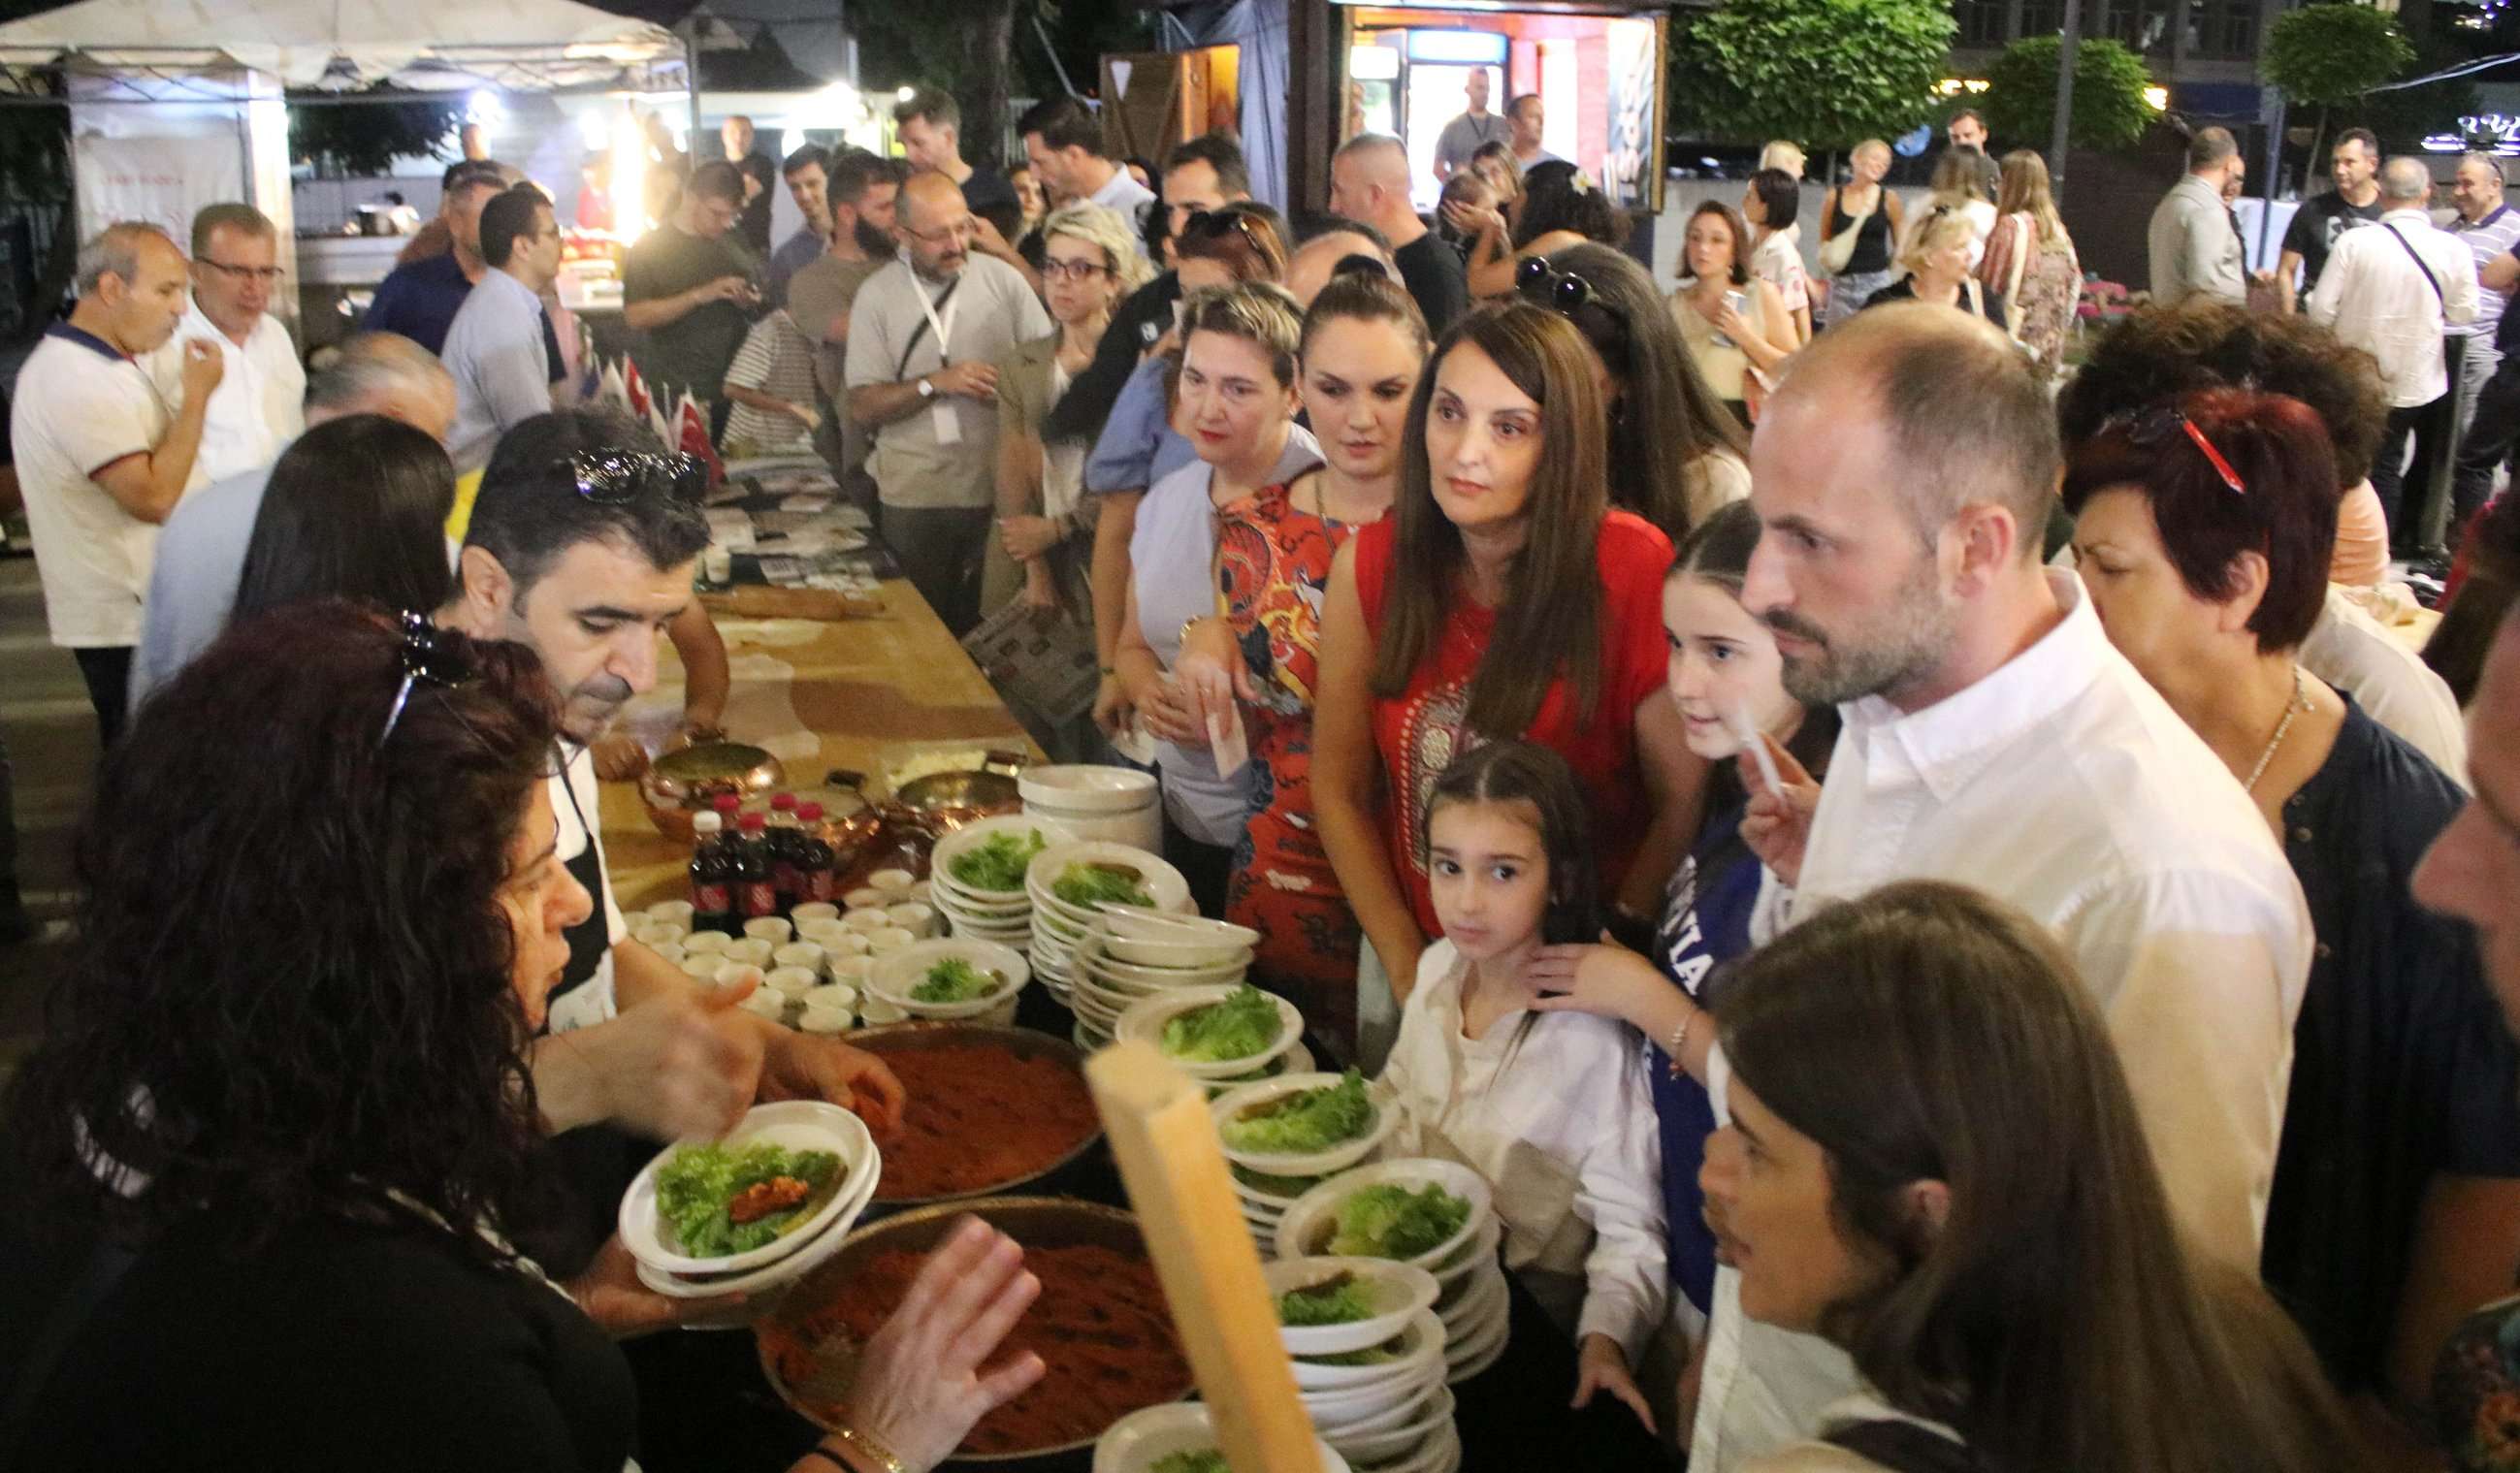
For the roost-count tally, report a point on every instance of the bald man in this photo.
(2391, 288)
(1370, 185)
(1310, 268)
(924, 336)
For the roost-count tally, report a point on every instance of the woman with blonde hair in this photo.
(1937, 260)
(1045, 523)
(2030, 263)
(1857, 221)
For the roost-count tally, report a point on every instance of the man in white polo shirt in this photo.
(257, 407)
(103, 457)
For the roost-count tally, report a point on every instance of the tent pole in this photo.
(690, 29)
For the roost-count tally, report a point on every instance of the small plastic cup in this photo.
(875, 1012)
(704, 943)
(659, 932)
(732, 973)
(813, 909)
(766, 1004)
(704, 965)
(752, 949)
(890, 940)
(793, 981)
(867, 919)
(824, 1021)
(846, 944)
(671, 950)
(833, 997)
(800, 953)
(672, 911)
(774, 929)
(820, 930)
(913, 917)
(867, 897)
(894, 882)
(851, 972)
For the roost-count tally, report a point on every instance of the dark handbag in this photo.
(2430, 280)
(1903, 1447)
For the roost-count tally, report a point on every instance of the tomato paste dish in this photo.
(979, 1118)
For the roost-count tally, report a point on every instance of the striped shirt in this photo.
(2493, 236)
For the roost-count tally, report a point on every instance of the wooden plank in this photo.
(1165, 1141)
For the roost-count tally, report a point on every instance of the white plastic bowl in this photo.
(1138, 1442)
(1478, 1309)
(1230, 1105)
(793, 1123)
(1376, 1407)
(1389, 1444)
(1397, 1292)
(894, 976)
(1188, 943)
(1146, 1017)
(1312, 1220)
(1162, 883)
(940, 865)
(1086, 787)
(769, 1276)
(1148, 979)
(1418, 1351)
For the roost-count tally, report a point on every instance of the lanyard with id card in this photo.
(947, 423)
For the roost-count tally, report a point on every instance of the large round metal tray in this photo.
(1024, 1043)
(1033, 1221)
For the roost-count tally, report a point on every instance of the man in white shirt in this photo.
(495, 347)
(2391, 288)
(102, 455)
(256, 407)
(926, 334)
(1064, 143)
(1529, 118)
(1994, 738)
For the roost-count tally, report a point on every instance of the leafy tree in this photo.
(1829, 73)
(351, 138)
(2109, 81)
(2329, 56)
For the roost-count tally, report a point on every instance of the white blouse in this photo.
(1561, 1127)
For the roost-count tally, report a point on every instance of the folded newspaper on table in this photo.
(1043, 667)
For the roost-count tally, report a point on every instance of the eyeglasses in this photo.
(2153, 427)
(960, 230)
(1072, 271)
(269, 276)
(617, 478)
(1212, 224)
(430, 656)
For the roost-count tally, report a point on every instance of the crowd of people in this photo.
(1898, 851)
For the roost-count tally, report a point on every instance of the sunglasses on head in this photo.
(1214, 223)
(430, 656)
(1574, 298)
(2150, 428)
(616, 477)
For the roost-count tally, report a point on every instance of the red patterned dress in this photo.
(1272, 564)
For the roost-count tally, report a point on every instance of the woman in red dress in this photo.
(1501, 599)
(1364, 344)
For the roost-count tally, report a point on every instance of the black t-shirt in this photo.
(755, 221)
(1434, 276)
(2401, 1068)
(987, 190)
(2316, 225)
(334, 1346)
(690, 352)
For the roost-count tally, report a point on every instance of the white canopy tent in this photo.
(164, 120)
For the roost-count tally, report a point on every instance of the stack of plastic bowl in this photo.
(1284, 1054)
(1059, 924)
(1143, 1440)
(761, 1273)
(1130, 954)
(1268, 1183)
(1120, 804)
(1395, 1411)
(1471, 1300)
(896, 979)
(1004, 916)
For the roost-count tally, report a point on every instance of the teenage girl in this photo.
(1552, 1109)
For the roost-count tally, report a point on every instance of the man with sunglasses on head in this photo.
(924, 336)
(256, 408)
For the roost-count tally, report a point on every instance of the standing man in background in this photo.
(863, 195)
(760, 170)
(2490, 228)
(930, 127)
(1526, 116)
(258, 405)
(2324, 219)
(420, 300)
(2195, 252)
(926, 334)
(1064, 143)
(688, 289)
(1469, 130)
(808, 176)
(1370, 185)
(2392, 289)
(494, 352)
(102, 459)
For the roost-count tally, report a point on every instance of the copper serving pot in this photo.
(680, 785)
(942, 802)
(851, 820)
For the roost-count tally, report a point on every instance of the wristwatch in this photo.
(927, 390)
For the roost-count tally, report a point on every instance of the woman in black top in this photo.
(1867, 199)
(2202, 530)
(267, 1156)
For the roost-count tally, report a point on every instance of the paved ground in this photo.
(51, 738)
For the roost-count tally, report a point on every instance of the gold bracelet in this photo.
(1183, 639)
(873, 1449)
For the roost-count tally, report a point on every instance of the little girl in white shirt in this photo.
(1552, 1109)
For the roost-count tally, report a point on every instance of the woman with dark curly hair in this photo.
(1562, 207)
(276, 1139)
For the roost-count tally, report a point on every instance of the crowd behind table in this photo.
(1914, 870)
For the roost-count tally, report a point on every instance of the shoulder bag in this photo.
(1839, 248)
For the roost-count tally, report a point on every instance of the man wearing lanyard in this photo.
(924, 336)
(258, 405)
(581, 548)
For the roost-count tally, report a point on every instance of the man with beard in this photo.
(861, 193)
(1994, 738)
(926, 334)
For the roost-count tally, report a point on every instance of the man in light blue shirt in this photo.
(495, 347)
(200, 550)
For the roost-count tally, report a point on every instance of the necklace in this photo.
(2299, 703)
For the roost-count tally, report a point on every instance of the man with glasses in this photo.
(495, 348)
(924, 336)
(256, 408)
(421, 297)
(688, 289)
